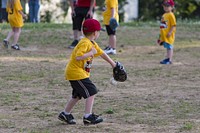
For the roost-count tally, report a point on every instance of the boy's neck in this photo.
(91, 38)
(168, 12)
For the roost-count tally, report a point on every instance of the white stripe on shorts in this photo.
(85, 89)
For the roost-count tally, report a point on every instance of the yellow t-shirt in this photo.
(168, 20)
(14, 17)
(107, 13)
(75, 70)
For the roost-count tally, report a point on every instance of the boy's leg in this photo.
(10, 34)
(86, 89)
(89, 104)
(66, 115)
(112, 41)
(170, 54)
(17, 32)
(6, 41)
(71, 104)
(89, 117)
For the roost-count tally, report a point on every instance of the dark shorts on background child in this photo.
(83, 88)
(81, 13)
(109, 30)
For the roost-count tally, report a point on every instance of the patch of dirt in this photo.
(155, 98)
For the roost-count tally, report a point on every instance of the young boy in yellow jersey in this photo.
(111, 12)
(15, 18)
(78, 72)
(167, 30)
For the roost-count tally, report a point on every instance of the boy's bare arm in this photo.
(23, 15)
(88, 54)
(108, 59)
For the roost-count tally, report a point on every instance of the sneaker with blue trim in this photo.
(166, 61)
(92, 119)
(5, 43)
(110, 51)
(69, 119)
(107, 47)
(16, 47)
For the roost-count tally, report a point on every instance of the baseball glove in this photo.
(119, 72)
(113, 24)
(160, 42)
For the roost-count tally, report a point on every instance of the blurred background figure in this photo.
(4, 14)
(81, 10)
(15, 18)
(34, 7)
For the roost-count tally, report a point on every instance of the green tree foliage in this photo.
(64, 5)
(148, 9)
(47, 16)
(188, 9)
(184, 9)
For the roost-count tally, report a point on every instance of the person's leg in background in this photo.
(111, 48)
(1, 16)
(31, 13)
(77, 24)
(36, 11)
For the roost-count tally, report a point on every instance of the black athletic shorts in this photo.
(81, 13)
(109, 30)
(83, 88)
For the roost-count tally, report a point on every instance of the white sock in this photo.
(87, 115)
(66, 113)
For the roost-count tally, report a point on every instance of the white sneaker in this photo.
(110, 51)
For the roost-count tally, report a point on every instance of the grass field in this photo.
(155, 98)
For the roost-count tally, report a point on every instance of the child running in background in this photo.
(15, 18)
(3, 13)
(111, 12)
(78, 72)
(167, 30)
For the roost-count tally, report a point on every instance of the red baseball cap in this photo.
(91, 25)
(168, 2)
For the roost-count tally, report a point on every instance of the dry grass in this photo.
(155, 98)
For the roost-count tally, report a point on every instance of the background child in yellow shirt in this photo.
(111, 12)
(167, 30)
(15, 18)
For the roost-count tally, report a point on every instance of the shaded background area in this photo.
(58, 10)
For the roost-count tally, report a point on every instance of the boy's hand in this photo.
(168, 35)
(25, 16)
